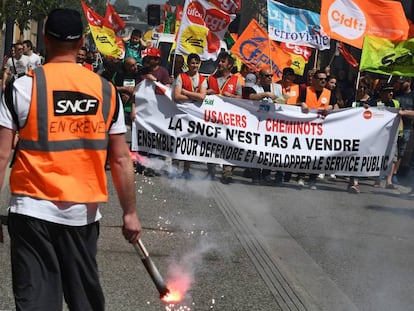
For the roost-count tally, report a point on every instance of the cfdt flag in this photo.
(297, 26)
(102, 33)
(113, 18)
(202, 28)
(254, 49)
(350, 21)
(383, 56)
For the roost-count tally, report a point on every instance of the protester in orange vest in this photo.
(223, 82)
(290, 90)
(317, 96)
(190, 86)
(70, 120)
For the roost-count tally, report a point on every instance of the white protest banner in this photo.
(354, 141)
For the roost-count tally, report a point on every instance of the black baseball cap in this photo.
(386, 87)
(288, 71)
(64, 25)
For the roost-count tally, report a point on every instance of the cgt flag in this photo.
(383, 56)
(300, 56)
(102, 33)
(202, 28)
(256, 50)
(350, 21)
(114, 19)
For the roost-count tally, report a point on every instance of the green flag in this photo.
(383, 56)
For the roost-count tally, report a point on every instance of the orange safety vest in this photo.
(63, 145)
(188, 83)
(315, 103)
(229, 86)
(293, 91)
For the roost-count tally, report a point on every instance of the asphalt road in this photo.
(255, 247)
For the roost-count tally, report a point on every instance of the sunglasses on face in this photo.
(321, 79)
(267, 75)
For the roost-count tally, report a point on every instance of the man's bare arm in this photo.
(124, 182)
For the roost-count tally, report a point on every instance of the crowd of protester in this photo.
(316, 89)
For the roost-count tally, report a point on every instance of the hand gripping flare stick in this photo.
(151, 269)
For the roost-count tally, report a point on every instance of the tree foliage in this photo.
(122, 6)
(22, 11)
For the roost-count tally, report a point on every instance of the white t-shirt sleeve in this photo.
(118, 127)
(21, 103)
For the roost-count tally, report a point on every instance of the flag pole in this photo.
(316, 58)
(331, 60)
(334, 54)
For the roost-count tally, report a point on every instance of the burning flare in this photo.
(178, 282)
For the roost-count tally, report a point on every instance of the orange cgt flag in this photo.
(256, 50)
(350, 21)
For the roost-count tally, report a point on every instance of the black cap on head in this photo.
(288, 71)
(64, 25)
(387, 87)
(404, 79)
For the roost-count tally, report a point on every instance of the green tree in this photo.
(122, 6)
(23, 11)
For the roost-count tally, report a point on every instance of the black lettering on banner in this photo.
(186, 146)
(175, 125)
(374, 163)
(219, 151)
(203, 129)
(329, 144)
(155, 140)
(342, 163)
(250, 155)
(296, 144)
(242, 136)
(276, 141)
(317, 163)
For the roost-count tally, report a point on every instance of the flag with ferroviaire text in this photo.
(102, 33)
(384, 56)
(256, 50)
(297, 26)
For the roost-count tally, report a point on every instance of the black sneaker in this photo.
(226, 180)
